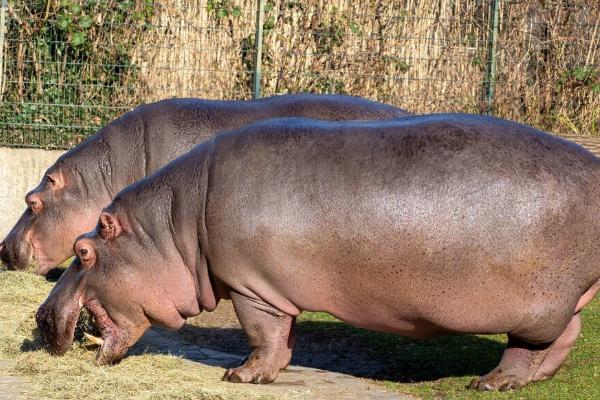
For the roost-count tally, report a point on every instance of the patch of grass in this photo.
(441, 368)
(74, 376)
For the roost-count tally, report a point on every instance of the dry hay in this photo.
(74, 376)
(426, 56)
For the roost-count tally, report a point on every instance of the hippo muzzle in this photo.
(16, 250)
(56, 330)
(57, 319)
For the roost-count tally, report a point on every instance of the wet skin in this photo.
(73, 191)
(420, 226)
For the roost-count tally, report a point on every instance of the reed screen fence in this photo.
(70, 66)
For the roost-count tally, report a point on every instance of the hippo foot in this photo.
(497, 380)
(269, 332)
(523, 363)
(255, 370)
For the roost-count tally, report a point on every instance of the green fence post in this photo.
(2, 31)
(260, 14)
(490, 81)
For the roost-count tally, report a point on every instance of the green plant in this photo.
(399, 64)
(222, 8)
(580, 76)
(328, 36)
(72, 52)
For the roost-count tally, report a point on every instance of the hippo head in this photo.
(125, 281)
(58, 210)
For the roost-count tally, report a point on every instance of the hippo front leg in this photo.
(269, 332)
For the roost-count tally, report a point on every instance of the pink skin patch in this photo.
(115, 344)
(43, 264)
(587, 296)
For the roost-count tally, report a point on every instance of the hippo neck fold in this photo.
(206, 292)
(111, 158)
(160, 209)
(198, 266)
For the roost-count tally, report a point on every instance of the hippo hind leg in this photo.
(559, 350)
(523, 362)
(269, 332)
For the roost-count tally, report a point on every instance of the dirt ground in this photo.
(315, 347)
(297, 382)
(11, 387)
(322, 366)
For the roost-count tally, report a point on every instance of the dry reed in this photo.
(423, 55)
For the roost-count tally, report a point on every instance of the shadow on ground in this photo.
(337, 347)
(54, 274)
(326, 345)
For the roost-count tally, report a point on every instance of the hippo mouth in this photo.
(17, 257)
(59, 332)
(25, 255)
(112, 341)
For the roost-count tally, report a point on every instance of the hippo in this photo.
(73, 191)
(420, 226)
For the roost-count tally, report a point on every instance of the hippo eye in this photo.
(85, 254)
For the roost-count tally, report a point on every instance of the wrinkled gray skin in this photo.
(74, 190)
(420, 226)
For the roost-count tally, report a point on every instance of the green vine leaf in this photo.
(86, 22)
(78, 39)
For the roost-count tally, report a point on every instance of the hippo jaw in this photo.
(115, 342)
(57, 328)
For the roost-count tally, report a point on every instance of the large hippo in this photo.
(420, 226)
(74, 190)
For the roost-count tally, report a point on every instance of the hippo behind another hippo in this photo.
(73, 191)
(420, 226)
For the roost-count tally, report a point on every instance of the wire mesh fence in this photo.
(71, 66)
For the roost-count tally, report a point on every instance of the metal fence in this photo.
(70, 66)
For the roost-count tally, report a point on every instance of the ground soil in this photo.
(324, 366)
(323, 347)
(11, 387)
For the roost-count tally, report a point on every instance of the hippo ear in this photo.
(110, 227)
